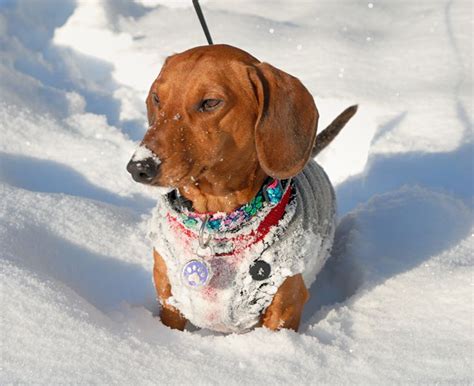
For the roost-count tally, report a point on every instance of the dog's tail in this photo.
(329, 133)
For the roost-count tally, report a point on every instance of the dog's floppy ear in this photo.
(286, 126)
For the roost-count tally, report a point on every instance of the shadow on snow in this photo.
(47, 176)
(404, 209)
(102, 280)
(29, 51)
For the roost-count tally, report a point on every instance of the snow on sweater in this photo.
(232, 301)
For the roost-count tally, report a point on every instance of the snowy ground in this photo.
(394, 304)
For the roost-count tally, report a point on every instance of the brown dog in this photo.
(220, 123)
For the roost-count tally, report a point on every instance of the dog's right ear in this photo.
(285, 130)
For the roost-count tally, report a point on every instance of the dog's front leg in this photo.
(287, 305)
(169, 315)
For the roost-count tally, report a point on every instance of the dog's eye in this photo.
(210, 104)
(155, 99)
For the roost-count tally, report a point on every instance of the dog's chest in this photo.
(244, 276)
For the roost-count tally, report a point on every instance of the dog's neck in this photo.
(212, 194)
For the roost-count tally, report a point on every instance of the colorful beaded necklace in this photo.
(269, 195)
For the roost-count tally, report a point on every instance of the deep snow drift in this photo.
(394, 302)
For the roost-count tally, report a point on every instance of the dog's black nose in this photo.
(143, 170)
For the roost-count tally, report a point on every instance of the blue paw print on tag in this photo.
(196, 273)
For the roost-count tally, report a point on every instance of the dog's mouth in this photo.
(178, 202)
(173, 183)
(154, 172)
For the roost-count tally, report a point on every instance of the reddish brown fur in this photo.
(219, 159)
(220, 150)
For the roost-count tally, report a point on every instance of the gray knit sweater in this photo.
(233, 300)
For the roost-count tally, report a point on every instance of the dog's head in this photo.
(217, 114)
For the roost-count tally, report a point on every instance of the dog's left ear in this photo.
(286, 126)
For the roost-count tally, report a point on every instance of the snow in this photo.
(143, 153)
(299, 244)
(393, 304)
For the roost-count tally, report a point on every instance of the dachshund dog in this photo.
(231, 138)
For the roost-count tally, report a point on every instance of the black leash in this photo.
(200, 15)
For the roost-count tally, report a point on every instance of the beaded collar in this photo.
(268, 196)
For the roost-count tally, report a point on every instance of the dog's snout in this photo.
(143, 170)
